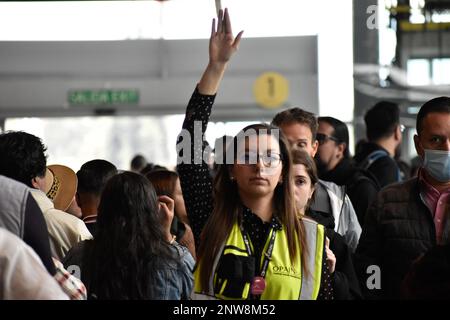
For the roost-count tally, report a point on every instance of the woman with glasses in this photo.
(251, 244)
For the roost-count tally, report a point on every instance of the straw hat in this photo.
(60, 185)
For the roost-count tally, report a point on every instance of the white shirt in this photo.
(65, 230)
(22, 274)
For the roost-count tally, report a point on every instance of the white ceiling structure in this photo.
(47, 49)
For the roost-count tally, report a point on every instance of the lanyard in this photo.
(267, 254)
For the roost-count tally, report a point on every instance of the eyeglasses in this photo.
(402, 128)
(270, 160)
(322, 138)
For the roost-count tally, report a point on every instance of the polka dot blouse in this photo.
(196, 184)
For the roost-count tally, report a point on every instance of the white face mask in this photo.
(437, 164)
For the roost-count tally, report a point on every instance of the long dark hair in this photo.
(228, 207)
(129, 243)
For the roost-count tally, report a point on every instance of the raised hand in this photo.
(166, 212)
(222, 45)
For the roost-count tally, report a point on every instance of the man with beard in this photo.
(334, 164)
(384, 134)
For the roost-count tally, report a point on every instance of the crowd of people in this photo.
(284, 213)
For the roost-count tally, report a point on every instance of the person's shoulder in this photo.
(312, 224)
(331, 187)
(382, 162)
(403, 185)
(42, 200)
(309, 220)
(398, 192)
(362, 179)
(13, 187)
(55, 215)
(65, 217)
(15, 250)
(10, 243)
(68, 222)
(23, 274)
(386, 161)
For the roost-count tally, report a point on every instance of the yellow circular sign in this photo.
(271, 90)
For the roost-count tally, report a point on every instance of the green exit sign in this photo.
(103, 97)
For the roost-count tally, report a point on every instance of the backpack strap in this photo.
(372, 157)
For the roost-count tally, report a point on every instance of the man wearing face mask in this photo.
(409, 218)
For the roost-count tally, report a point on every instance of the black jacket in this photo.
(385, 169)
(361, 186)
(346, 285)
(398, 229)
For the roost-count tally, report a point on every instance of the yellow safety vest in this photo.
(284, 280)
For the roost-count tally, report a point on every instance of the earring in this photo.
(231, 178)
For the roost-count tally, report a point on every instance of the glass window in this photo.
(442, 17)
(441, 71)
(70, 141)
(418, 71)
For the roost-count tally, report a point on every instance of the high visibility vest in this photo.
(285, 279)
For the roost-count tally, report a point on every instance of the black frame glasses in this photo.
(271, 160)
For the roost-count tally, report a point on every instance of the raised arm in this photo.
(195, 179)
(222, 45)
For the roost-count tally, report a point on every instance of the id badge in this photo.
(258, 285)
